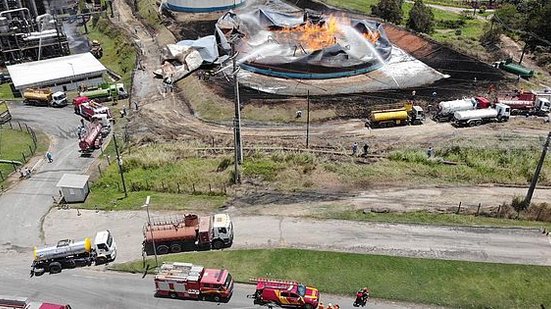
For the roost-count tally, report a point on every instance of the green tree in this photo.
(421, 18)
(389, 10)
(491, 35)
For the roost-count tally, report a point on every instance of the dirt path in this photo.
(166, 116)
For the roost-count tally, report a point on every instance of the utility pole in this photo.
(146, 205)
(119, 162)
(528, 198)
(523, 52)
(237, 117)
(308, 120)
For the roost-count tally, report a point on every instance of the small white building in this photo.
(59, 74)
(74, 188)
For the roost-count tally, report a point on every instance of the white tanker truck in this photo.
(471, 118)
(70, 254)
(446, 109)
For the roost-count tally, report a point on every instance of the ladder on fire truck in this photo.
(176, 270)
(275, 283)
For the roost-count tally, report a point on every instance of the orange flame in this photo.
(318, 36)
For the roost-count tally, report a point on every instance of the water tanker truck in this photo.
(529, 103)
(44, 97)
(187, 233)
(92, 139)
(106, 92)
(68, 253)
(409, 114)
(446, 109)
(472, 118)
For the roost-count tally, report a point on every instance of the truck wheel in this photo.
(308, 306)
(218, 244)
(173, 295)
(39, 272)
(101, 260)
(175, 248)
(55, 268)
(216, 298)
(162, 249)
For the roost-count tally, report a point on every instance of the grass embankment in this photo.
(446, 24)
(12, 144)
(5, 91)
(455, 284)
(424, 217)
(176, 168)
(119, 54)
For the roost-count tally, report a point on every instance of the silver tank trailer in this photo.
(63, 249)
(449, 107)
(475, 114)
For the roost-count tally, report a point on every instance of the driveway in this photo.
(24, 205)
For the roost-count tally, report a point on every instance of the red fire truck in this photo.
(88, 108)
(285, 293)
(188, 281)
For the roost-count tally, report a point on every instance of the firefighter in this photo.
(330, 306)
(321, 306)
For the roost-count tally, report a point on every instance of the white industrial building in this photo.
(59, 74)
(201, 6)
(74, 188)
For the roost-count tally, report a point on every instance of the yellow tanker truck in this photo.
(409, 114)
(44, 97)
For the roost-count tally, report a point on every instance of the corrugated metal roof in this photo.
(55, 70)
(73, 181)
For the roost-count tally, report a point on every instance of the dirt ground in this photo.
(168, 116)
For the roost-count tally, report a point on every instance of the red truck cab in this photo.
(188, 281)
(285, 293)
(24, 303)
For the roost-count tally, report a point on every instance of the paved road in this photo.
(24, 205)
(93, 288)
(452, 243)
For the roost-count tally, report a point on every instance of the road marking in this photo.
(34, 166)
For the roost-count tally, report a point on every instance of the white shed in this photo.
(74, 188)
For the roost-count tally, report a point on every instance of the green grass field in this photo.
(5, 91)
(177, 168)
(12, 144)
(454, 284)
(424, 217)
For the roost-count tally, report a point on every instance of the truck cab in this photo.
(121, 91)
(106, 248)
(285, 293)
(222, 231)
(542, 105)
(503, 112)
(417, 115)
(59, 99)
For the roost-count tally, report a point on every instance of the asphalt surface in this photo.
(93, 288)
(479, 244)
(23, 206)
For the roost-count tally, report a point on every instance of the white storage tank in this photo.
(202, 6)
